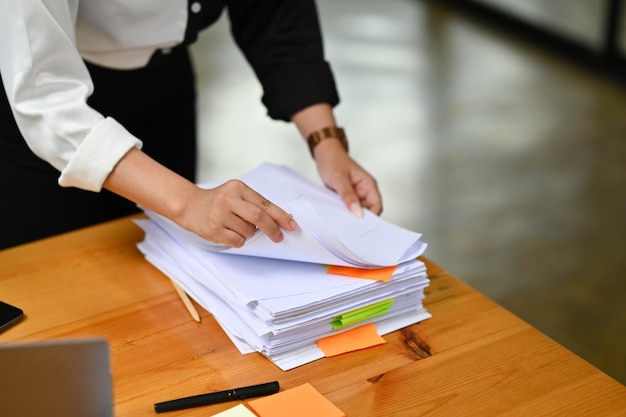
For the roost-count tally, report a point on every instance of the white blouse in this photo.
(47, 84)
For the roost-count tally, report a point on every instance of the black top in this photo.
(282, 41)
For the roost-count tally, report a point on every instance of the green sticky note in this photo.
(361, 314)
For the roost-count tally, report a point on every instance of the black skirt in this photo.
(155, 103)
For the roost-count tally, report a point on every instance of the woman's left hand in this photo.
(356, 187)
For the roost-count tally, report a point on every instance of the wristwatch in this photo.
(331, 132)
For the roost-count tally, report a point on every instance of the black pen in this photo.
(218, 397)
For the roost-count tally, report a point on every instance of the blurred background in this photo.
(495, 128)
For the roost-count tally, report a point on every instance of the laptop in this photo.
(54, 378)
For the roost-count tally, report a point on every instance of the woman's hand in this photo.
(232, 213)
(356, 187)
(227, 214)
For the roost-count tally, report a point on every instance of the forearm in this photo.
(337, 169)
(229, 213)
(314, 118)
(144, 181)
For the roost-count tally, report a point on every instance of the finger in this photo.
(265, 215)
(370, 196)
(280, 216)
(272, 219)
(232, 230)
(348, 195)
(240, 226)
(231, 238)
(373, 203)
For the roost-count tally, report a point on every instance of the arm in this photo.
(282, 41)
(339, 172)
(226, 214)
(47, 85)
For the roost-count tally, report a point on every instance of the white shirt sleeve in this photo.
(47, 85)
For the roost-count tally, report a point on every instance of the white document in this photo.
(328, 232)
(279, 299)
(293, 339)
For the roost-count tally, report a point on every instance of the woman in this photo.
(99, 114)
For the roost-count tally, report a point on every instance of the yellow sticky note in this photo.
(377, 274)
(301, 401)
(358, 338)
(237, 411)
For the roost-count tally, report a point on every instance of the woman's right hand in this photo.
(232, 213)
(228, 214)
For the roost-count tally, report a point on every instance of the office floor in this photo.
(508, 158)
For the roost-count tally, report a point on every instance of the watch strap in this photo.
(331, 132)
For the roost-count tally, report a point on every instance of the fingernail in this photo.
(293, 225)
(357, 210)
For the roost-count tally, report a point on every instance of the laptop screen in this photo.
(54, 378)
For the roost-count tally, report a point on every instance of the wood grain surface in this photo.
(472, 358)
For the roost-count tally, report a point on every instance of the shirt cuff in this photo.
(97, 155)
(292, 87)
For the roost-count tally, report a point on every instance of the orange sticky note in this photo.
(301, 401)
(237, 411)
(377, 274)
(358, 338)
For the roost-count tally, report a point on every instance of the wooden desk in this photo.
(472, 358)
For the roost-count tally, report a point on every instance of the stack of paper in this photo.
(335, 273)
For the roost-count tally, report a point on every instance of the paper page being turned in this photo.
(328, 233)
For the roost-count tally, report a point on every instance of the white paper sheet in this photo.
(278, 299)
(328, 232)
